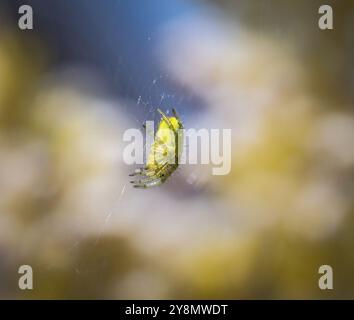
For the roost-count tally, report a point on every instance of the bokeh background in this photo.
(91, 69)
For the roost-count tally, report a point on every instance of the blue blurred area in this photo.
(119, 39)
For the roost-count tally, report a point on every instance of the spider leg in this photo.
(146, 175)
(177, 117)
(136, 172)
(139, 171)
(144, 180)
(150, 175)
(151, 183)
(176, 132)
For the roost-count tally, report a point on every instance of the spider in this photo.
(164, 154)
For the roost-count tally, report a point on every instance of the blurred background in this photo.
(91, 69)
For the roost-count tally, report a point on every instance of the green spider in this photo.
(164, 154)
